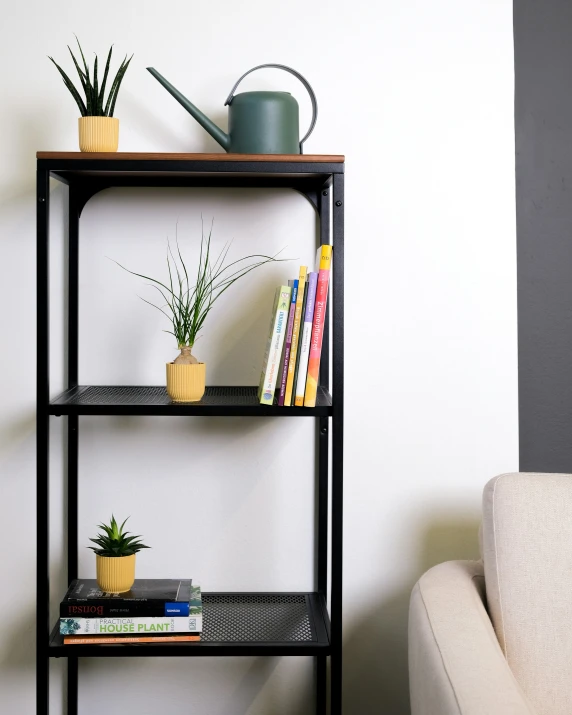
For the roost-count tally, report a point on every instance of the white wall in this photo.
(419, 97)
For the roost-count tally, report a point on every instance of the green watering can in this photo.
(258, 122)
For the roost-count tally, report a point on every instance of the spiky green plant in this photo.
(94, 94)
(113, 541)
(186, 305)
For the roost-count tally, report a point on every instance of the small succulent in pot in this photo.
(115, 557)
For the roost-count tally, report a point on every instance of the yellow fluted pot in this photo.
(98, 134)
(115, 574)
(186, 383)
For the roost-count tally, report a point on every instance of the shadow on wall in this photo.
(375, 648)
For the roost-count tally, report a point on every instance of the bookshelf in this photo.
(235, 624)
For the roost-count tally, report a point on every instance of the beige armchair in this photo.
(494, 637)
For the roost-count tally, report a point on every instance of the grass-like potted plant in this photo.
(187, 307)
(98, 128)
(115, 557)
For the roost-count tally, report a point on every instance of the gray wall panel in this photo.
(543, 117)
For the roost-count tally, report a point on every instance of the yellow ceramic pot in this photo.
(98, 133)
(115, 574)
(186, 383)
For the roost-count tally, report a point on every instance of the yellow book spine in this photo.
(295, 336)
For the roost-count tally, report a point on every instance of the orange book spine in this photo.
(103, 640)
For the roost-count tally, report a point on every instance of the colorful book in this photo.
(130, 626)
(297, 366)
(157, 598)
(125, 640)
(323, 264)
(287, 342)
(295, 337)
(271, 365)
(306, 338)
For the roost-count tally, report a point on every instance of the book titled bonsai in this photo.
(148, 598)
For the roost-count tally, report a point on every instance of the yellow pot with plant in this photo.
(98, 128)
(187, 304)
(115, 557)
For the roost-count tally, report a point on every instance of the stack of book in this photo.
(292, 360)
(154, 610)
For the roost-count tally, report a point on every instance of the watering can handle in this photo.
(304, 82)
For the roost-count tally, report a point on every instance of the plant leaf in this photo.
(71, 87)
(118, 80)
(95, 90)
(87, 81)
(103, 83)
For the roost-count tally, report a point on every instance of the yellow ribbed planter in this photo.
(186, 383)
(115, 575)
(98, 133)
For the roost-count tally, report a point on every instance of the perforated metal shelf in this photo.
(217, 401)
(234, 624)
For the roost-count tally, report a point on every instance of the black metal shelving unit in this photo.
(235, 624)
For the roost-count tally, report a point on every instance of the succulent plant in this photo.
(114, 542)
(94, 95)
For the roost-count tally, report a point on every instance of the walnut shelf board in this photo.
(153, 156)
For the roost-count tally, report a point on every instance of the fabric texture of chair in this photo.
(509, 652)
(527, 554)
(456, 666)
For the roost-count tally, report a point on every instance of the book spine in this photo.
(105, 640)
(288, 339)
(306, 339)
(295, 336)
(113, 608)
(130, 626)
(300, 332)
(274, 346)
(325, 261)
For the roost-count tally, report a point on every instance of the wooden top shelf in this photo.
(147, 156)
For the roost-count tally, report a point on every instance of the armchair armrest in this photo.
(456, 665)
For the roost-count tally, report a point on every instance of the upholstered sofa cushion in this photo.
(527, 552)
(456, 666)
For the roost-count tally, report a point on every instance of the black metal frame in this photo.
(323, 185)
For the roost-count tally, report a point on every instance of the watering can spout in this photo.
(216, 133)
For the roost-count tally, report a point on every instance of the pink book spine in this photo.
(317, 338)
(288, 345)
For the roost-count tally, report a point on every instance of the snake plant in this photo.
(94, 106)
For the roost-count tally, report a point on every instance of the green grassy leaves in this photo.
(187, 303)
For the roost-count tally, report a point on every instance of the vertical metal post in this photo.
(74, 209)
(337, 443)
(324, 208)
(42, 442)
(72, 421)
(324, 201)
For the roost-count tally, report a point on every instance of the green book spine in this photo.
(271, 365)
